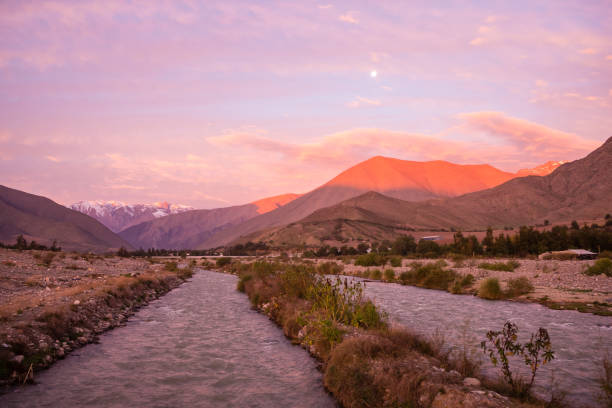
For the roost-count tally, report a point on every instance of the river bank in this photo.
(52, 303)
(365, 361)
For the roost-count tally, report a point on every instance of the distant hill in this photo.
(578, 190)
(189, 229)
(403, 179)
(118, 216)
(40, 219)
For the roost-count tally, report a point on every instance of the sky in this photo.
(212, 104)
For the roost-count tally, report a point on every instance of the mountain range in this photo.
(118, 216)
(581, 189)
(42, 220)
(401, 179)
(377, 198)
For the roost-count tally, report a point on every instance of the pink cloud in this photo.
(349, 17)
(537, 140)
(511, 142)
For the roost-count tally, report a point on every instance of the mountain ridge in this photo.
(41, 219)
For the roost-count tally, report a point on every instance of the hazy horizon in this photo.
(219, 104)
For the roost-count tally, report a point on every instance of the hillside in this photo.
(188, 229)
(407, 180)
(578, 190)
(40, 219)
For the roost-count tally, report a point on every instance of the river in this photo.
(201, 345)
(579, 339)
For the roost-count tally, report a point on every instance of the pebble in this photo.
(76, 302)
(471, 382)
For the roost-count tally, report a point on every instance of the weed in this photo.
(504, 344)
(389, 275)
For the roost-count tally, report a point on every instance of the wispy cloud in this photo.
(360, 101)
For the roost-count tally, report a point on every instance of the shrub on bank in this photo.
(221, 262)
(396, 261)
(371, 259)
(490, 289)
(430, 276)
(602, 266)
(519, 286)
(330, 268)
(389, 275)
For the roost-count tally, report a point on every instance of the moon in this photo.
(373, 74)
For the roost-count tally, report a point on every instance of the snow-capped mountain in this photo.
(118, 216)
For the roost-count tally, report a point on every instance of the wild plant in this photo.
(505, 344)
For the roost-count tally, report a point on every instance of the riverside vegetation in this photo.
(367, 363)
(55, 302)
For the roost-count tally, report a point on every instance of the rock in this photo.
(48, 359)
(60, 352)
(76, 302)
(18, 359)
(83, 340)
(471, 382)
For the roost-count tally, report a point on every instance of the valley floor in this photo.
(54, 302)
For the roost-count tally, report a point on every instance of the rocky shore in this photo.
(53, 303)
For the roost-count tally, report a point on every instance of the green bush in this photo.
(376, 274)
(509, 266)
(519, 286)
(396, 261)
(460, 283)
(389, 275)
(601, 266)
(490, 289)
(221, 262)
(430, 276)
(371, 259)
(330, 268)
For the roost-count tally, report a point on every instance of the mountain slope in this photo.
(40, 219)
(188, 229)
(407, 180)
(580, 189)
(118, 216)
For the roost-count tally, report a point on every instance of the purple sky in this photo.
(219, 103)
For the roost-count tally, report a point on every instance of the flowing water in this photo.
(579, 339)
(199, 346)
